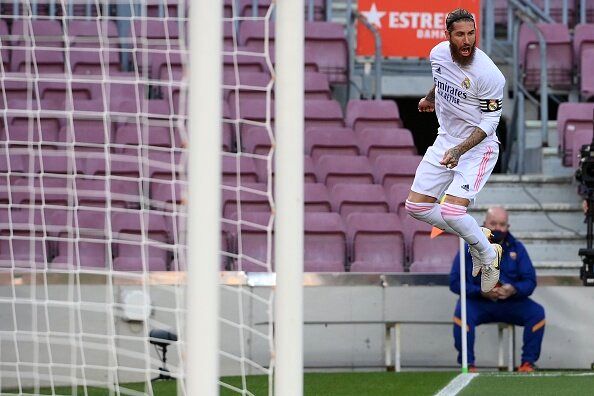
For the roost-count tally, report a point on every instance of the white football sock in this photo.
(429, 213)
(467, 227)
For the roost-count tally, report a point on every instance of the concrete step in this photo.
(535, 219)
(551, 163)
(528, 189)
(534, 133)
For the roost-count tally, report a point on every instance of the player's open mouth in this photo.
(465, 51)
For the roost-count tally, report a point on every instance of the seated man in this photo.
(508, 302)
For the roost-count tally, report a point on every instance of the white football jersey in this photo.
(466, 96)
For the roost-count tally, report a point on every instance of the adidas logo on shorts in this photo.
(465, 187)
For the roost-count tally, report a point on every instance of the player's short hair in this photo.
(459, 14)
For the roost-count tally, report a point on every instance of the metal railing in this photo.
(377, 59)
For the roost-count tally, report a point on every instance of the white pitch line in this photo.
(457, 384)
(528, 375)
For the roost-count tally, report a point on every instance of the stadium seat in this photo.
(391, 169)
(164, 195)
(397, 195)
(377, 242)
(21, 135)
(316, 198)
(374, 142)
(17, 87)
(581, 136)
(316, 86)
(325, 243)
(330, 140)
(4, 41)
(309, 170)
(21, 239)
(139, 237)
(43, 190)
(44, 33)
(559, 56)
(426, 254)
(587, 78)
(361, 114)
(157, 48)
(358, 198)
(334, 169)
(162, 8)
(256, 140)
(571, 116)
(252, 243)
(249, 198)
(85, 135)
(583, 38)
(239, 171)
(323, 113)
(98, 192)
(93, 47)
(251, 85)
(82, 243)
(326, 47)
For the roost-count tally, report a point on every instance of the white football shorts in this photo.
(466, 179)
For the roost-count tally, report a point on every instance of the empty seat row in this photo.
(564, 55)
(363, 242)
(343, 199)
(129, 241)
(329, 169)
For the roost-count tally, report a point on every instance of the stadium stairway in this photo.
(544, 207)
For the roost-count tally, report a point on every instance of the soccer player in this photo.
(467, 96)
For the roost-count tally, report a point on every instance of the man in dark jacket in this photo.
(509, 301)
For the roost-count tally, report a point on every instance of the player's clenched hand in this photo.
(426, 106)
(505, 291)
(450, 158)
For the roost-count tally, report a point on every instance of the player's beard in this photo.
(459, 58)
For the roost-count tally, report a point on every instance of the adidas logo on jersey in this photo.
(465, 187)
(438, 70)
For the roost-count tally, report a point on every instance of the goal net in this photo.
(93, 186)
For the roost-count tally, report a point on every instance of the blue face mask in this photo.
(499, 236)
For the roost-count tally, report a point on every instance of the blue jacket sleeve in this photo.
(526, 280)
(472, 289)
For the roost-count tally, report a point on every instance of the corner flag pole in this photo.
(463, 306)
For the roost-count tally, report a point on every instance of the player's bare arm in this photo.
(427, 104)
(452, 156)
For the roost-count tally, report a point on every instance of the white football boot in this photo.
(476, 260)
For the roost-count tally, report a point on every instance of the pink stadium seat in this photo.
(22, 242)
(43, 190)
(570, 117)
(377, 242)
(256, 140)
(583, 39)
(323, 113)
(316, 198)
(330, 140)
(361, 114)
(334, 169)
(249, 198)
(587, 78)
(397, 195)
(97, 192)
(4, 39)
(163, 8)
(309, 170)
(326, 48)
(374, 142)
(44, 33)
(325, 243)
(251, 85)
(239, 171)
(252, 243)
(392, 169)
(559, 55)
(426, 254)
(581, 136)
(316, 86)
(358, 198)
(93, 47)
(82, 244)
(139, 237)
